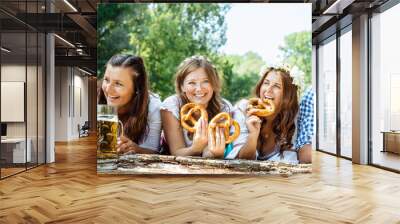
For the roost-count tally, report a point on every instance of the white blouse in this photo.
(288, 156)
(152, 139)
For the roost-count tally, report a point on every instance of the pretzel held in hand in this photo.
(224, 120)
(187, 115)
(261, 108)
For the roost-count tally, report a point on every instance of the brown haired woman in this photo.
(125, 87)
(270, 138)
(197, 82)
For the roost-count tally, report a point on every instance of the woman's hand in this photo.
(253, 124)
(200, 138)
(216, 144)
(125, 145)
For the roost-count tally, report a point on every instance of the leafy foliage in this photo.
(297, 52)
(165, 34)
(240, 74)
(162, 34)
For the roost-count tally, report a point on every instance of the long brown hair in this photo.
(189, 65)
(135, 118)
(283, 125)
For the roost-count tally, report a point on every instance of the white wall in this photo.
(12, 73)
(71, 102)
(80, 98)
(61, 103)
(34, 124)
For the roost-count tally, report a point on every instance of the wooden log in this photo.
(162, 164)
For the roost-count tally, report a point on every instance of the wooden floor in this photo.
(70, 191)
(387, 159)
(5, 172)
(10, 171)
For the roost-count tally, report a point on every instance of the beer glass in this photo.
(109, 128)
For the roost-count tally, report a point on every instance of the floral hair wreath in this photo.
(294, 72)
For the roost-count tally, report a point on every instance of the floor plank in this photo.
(387, 159)
(70, 191)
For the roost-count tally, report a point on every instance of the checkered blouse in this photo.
(305, 120)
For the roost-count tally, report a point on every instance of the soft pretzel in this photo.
(261, 108)
(187, 113)
(223, 120)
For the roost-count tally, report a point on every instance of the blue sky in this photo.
(261, 27)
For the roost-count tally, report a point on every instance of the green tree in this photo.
(248, 63)
(163, 34)
(240, 74)
(297, 52)
(113, 28)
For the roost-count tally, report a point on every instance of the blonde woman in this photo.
(196, 81)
